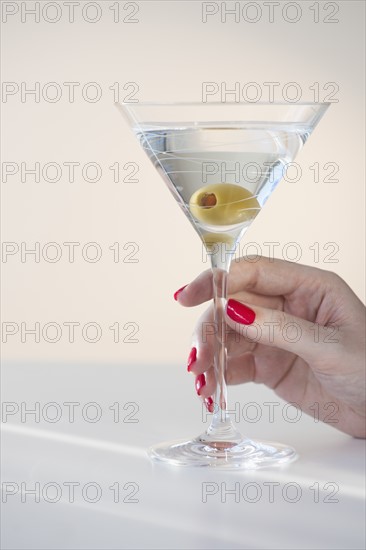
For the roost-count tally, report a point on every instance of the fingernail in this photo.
(209, 404)
(200, 382)
(191, 358)
(240, 313)
(176, 294)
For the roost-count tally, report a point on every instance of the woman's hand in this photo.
(297, 329)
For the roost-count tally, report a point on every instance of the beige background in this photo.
(168, 53)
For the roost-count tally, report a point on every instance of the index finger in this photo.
(264, 276)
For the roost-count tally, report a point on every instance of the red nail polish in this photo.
(200, 382)
(209, 404)
(240, 313)
(191, 358)
(176, 294)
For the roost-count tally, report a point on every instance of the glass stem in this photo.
(221, 426)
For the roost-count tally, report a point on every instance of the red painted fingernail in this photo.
(240, 313)
(191, 358)
(176, 294)
(200, 382)
(209, 404)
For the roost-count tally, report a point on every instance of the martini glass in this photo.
(222, 161)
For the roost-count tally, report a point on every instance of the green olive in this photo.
(223, 204)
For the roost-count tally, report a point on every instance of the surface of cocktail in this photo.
(222, 176)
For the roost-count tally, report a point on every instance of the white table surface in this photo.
(169, 511)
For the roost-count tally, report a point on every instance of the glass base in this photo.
(247, 454)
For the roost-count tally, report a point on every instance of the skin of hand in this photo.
(303, 336)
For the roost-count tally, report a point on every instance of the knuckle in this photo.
(280, 320)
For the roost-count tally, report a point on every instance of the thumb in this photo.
(278, 329)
